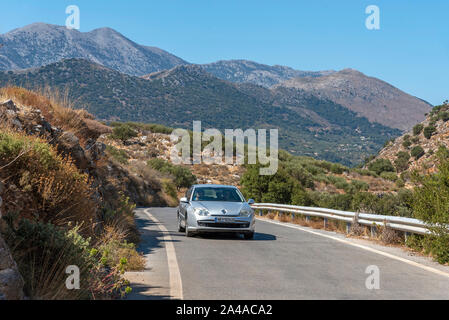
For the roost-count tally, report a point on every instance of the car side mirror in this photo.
(184, 200)
(251, 201)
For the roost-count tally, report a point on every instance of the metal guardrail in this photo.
(407, 225)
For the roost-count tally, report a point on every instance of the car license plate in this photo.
(222, 219)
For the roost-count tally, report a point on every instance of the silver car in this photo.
(215, 208)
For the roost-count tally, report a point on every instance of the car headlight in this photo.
(201, 211)
(246, 212)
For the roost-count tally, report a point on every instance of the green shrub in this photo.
(400, 183)
(332, 201)
(183, 177)
(386, 204)
(337, 168)
(417, 129)
(123, 132)
(42, 252)
(389, 176)
(365, 172)
(429, 131)
(117, 154)
(301, 197)
(417, 152)
(169, 188)
(381, 165)
(415, 140)
(300, 174)
(321, 177)
(360, 185)
(402, 161)
(444, 116)
(336, 180)
(406, 143)
(431, 204)
(314, 169)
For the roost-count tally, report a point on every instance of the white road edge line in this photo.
(173, 267)
(389, 255)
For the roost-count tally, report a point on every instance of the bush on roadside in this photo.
(182, 176)
(431, 204)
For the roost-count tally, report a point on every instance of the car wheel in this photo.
(248, 236)
(180, 228)
(186, 229)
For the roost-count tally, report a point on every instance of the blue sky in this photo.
(410, 51)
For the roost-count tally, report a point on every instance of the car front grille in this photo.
(223, 225)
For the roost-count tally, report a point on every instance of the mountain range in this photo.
(39, 44)
(335, 115)
(307, 125)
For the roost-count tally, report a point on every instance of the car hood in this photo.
(216, 207)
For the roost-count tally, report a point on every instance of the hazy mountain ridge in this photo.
(367, 96)
(242, 71)
(40, 44)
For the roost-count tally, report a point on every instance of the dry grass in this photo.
(317, 223)
(113, 246)
(54, 189)
(58, 109)
(390, 236)
(384, 235)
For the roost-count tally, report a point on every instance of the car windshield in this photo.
(217, 194)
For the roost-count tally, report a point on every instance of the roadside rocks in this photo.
(26, 119)
(68, 145)
(11, 282)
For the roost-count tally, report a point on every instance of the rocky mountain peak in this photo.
(40, 44)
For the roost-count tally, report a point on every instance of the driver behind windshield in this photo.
(199, 195)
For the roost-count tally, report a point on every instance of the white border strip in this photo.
(389, 255)
(173, 267)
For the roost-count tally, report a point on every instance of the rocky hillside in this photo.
(40, 44)
(416, 150)
(150, 144)
(307, 125)
(244, 71)
(369, 97)
(66, 198)
(78, 139)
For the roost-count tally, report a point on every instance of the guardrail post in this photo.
(307, 218)
(373, 230)
(260, 213)
(293, 216)
(325, 223)
(348, 227)
(406, 236)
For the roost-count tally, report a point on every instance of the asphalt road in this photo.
(280, 263)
